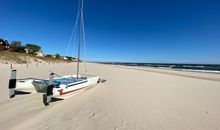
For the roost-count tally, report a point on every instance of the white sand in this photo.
(131, 99)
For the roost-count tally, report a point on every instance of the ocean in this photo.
(208, 68)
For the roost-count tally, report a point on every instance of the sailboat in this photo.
(69, 83)
(66, 84)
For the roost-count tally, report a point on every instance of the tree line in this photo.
(16, 46)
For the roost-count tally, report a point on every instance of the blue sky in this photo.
(176, 31)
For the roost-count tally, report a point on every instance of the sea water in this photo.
(209, 68)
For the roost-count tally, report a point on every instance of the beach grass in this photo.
(7, 57)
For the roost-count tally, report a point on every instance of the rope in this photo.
(74, 30)
(73, 36)
(84, 41)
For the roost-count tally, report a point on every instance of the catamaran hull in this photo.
(40, 87)
(64, 89)
(25, 85)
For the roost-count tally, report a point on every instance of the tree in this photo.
(16, 46)
(48, 55)
(69, 58)
(32, 48)
(6, 42)
(1, 48)
(58, 56)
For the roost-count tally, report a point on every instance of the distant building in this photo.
(26, 50)
(64, 58)
(4, 44)
(53, 56)
(40, 54)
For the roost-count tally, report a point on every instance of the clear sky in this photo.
(177, 31)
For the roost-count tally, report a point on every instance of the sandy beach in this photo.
(130, 99)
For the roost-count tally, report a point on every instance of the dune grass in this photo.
(7, 57)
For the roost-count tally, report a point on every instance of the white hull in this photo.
(25, 85)
(64, 89)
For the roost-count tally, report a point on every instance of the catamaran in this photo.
(66, 84)
(63, 85)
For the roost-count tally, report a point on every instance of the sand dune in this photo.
(130, 99)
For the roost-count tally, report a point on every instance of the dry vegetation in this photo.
(23, 58)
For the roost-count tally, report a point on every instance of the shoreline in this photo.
(174, 66)
(176, 72)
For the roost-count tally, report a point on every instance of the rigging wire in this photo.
(74, 29)
(79, 29)
(73, 32)
(84, 41)
(83, 35)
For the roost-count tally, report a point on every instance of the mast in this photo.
(81, 29)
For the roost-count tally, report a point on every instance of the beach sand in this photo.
(131, 99)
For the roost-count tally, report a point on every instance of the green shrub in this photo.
(32, 48)
(58, 56)
(17, 47)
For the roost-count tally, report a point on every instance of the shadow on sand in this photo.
(52, 99)
(21, 92)
(102, 81)
(56, 99)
